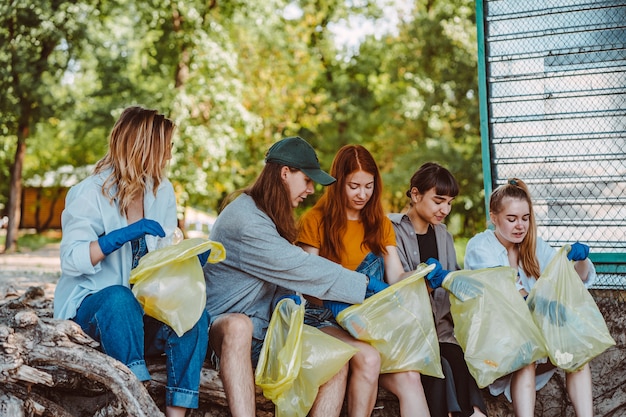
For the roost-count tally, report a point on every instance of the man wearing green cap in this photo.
(263, 265)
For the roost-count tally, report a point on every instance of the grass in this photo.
(459, 247)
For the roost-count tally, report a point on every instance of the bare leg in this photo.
(407, 386)
(477, 413)
(330, 396)
(171, 411)
(579, 391)
(364, 368)
(231, 339)
(523, 391)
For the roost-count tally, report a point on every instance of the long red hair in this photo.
(333, 203)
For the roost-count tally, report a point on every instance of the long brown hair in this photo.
(139, 146)
(517, 189)
(271, 196)
(333, 203)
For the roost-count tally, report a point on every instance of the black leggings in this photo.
(458, 393)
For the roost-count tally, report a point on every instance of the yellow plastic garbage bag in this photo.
(280, 357)
(492, 323)
(169, 283)
(398, 322)
(296, 360)
(567, 315)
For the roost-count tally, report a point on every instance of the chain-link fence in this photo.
(553, 110)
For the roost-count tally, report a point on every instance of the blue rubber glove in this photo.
(553, 310)
(466, 287)
(203, 257)
(436, 276)
(374, 286)
(296, 298)
(336, 306)
(578, 252)
(116, 239)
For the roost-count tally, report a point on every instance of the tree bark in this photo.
(15, 191)
(34, 349)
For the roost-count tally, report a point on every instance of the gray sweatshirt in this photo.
(261, 266)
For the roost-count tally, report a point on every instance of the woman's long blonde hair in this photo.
(517, 189)
(139, 147)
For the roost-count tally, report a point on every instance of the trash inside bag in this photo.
(567, 315)
(492, 323)
(398, 322)
(296, 360)
(169, 282)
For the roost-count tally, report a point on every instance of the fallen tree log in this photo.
(31, 342)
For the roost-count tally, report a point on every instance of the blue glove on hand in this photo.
(466, 287)
(578, 252)
(336, 306)
(374, 286)
(116, 239)
(203, 257)
(296, 298)
(553, 310)
(436, 276)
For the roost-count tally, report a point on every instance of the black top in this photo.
(427, 244)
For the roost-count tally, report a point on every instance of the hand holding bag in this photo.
(169, 282)
(571, 323)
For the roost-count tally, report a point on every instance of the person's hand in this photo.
(116, 239)
(335, 307)
(578, 252)
(374, 286)
(466, 287)
(436, 276)
(203, 257)
(553, 310)
(296, 298)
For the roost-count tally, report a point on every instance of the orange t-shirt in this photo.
(312, 234)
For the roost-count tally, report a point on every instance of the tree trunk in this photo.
(39, 352)
(15, 193)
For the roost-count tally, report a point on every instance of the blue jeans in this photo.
(114, 318)
(374, 267)
(319, 317)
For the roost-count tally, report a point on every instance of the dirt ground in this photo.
(19, 271)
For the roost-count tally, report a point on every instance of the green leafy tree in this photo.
(39, 39)
(411, 98)
(237, 76)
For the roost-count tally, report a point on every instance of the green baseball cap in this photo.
(295, 152)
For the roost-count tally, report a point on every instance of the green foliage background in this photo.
(239, 75)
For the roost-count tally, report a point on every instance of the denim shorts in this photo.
(257, 346)
(319, 317)
(255, 351)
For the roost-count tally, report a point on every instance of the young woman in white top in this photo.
(514, 242)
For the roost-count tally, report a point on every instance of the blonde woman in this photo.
(514, 242)
(105, 221)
